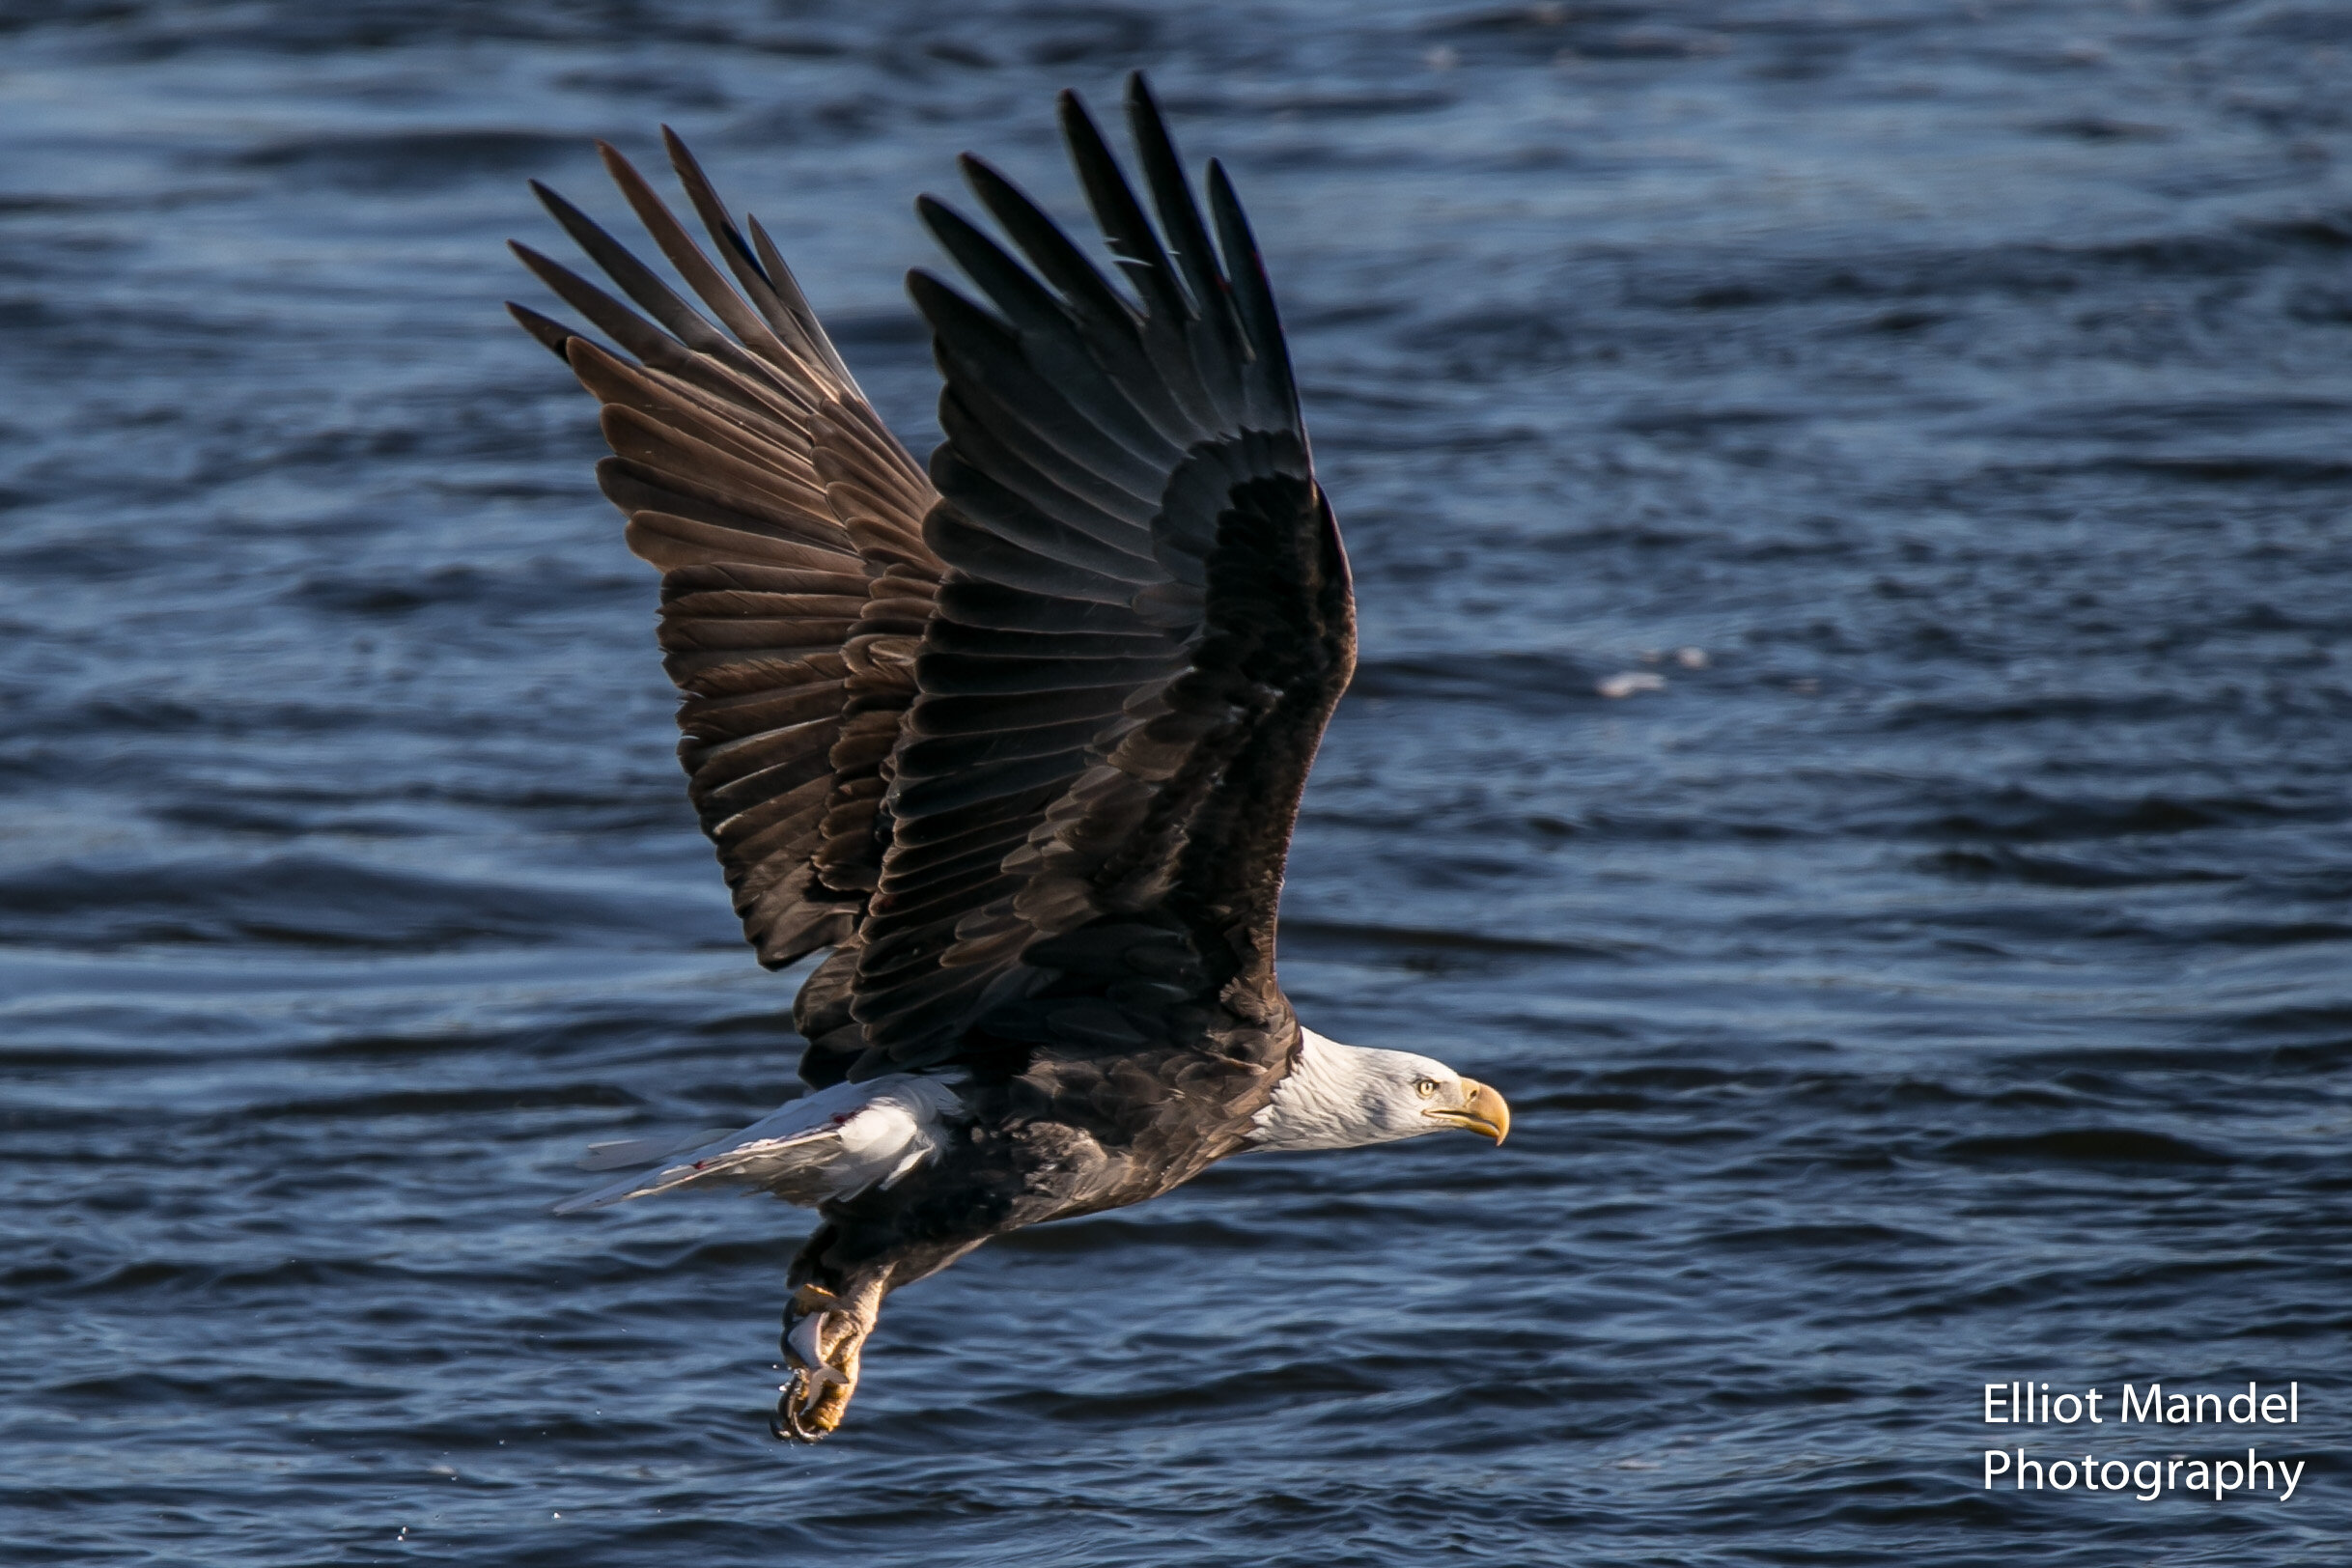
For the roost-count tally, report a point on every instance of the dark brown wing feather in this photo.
(1144, 626)
(786, 522)
(1043, 798)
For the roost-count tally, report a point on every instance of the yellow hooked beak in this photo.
(1482, 1111)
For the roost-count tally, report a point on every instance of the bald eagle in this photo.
(1020, 739)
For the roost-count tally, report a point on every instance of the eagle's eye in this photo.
(1425, 1086)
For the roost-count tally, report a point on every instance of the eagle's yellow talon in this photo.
(824, 1332)
(815, 1299)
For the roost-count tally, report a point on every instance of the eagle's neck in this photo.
(1327, 1100)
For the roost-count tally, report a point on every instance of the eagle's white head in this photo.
(1343, 1097)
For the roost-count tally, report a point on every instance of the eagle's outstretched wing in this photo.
(787, 521)
(1144, 627)
(1088, 771)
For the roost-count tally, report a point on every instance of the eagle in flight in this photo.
(1020, 739)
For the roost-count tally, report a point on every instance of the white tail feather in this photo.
(825, 1145)
(614, 1152)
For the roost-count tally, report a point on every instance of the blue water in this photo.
(1944, 978)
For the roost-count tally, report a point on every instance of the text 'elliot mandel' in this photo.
(2047, 1468)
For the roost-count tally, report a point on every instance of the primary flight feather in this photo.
(1021, 738)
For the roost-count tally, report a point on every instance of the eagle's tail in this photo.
(615, 1154)
(831, 1144)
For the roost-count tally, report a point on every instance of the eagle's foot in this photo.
(823, 1333)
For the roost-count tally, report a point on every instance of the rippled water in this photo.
(1950, 981)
